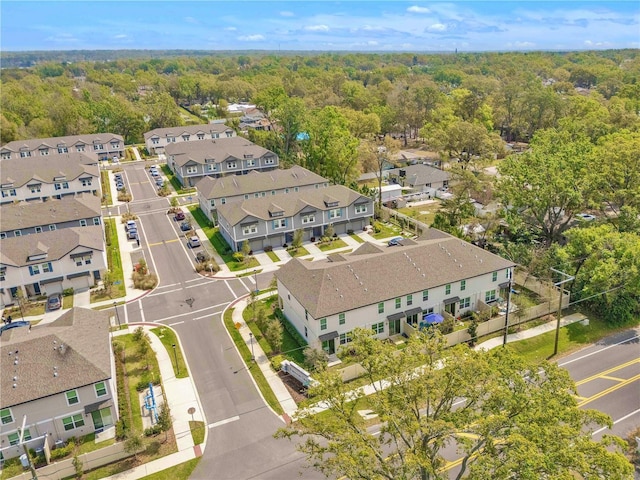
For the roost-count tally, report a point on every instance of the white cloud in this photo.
(191, 20)
(286, 14)
(316, 28)
(417, 9)
(251, 38)
(122, 35)
(230, 29)
(525, 44)
(437, 27)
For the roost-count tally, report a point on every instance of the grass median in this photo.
(169, 340)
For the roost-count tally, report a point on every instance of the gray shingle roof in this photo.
(77, 344)
(15, 216)
(22, 171)
(53, 142)
(207, 128)
(256, 181)
(219, 150)
(421, 174)
(290, 203)
(329, 287)
(16, 250)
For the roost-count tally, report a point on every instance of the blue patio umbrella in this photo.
(431, 318)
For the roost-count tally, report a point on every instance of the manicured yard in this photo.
(245, 353)
(272, 255)
(114, 263)
(332, 245)
(168, 339)
(356, 238)
(386, 230)
(67, 301)
(299, 252)
(423, 213)
(29, 309)
(175, 183)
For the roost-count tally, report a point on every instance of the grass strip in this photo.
(177, 472)
(272, 255)
(114, 264)
(106, 188)
(197, 431)
(253, 369)
(356, 238)
(169, 340)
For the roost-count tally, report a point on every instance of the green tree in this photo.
(517, 420)
(133, 445)
(315, 358)
(273, 334)
(246, 251)
(547, 185)
(164, 419)
(298, 235)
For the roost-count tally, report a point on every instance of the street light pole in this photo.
(255, 279)
(115, 307)
(253, 357)
(175, 355)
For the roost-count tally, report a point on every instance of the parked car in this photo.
(159, 182)
(194, 241)
(179, 215)
(395, 241)
(185, 226)
(115, 160)
(119, 186)
(54, 302)
(202, 256)
(117, 176)
(132, 234)
(587, 217)
(131, 224)
(155, 173)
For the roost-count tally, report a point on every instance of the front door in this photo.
(329, 346)
(451, 308)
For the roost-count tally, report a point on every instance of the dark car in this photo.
(185, 226)
(395, 241)
(202, 257)
(54, 302)
(179, 215)
(159, 182)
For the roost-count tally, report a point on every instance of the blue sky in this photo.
(320, 25)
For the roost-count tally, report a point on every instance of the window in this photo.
(212, 203)
(398, 302)
(52, 228)
(74, 421)
(256, 195)
(231, 165)
(323, 324)
(86, 182)
(34, 270)
(286, 190)
(362, 208)
(101, 389)
(87, 260)
(381, 307)
(79, 148)
(273, 192)
(38, 229)
(305, 331)
(3, 235)
(215, 135)
(279, 223)
(377, 328)
(96, 220)
(249, 229)
(3, 272)
(409, 300)
(263, 194)
(341, 319)
(269, 161)
(192, 169)
(447, 289)
(200, 136)
(155, 141)
(34, 188)
(61, 185)
(296, 189)
(345, 338)
(229, 134)
(251, 163)
(63, 150)
(335, 213)
(14, 438)
(246, 196)
(306, 315)
(463, 285)
(212, 167)
(25, 154)
(72, 397)
(425, 295)
(47, 267)
(98, 146)
(185, 138)
(5, 416)
(309, 218)
(78, 262)
(490, 296)
(465, 302)
(17, 233)
(506, 274)
(83, 223)
(223, 201)
(494, 276)
(11, 192)
(5, 155)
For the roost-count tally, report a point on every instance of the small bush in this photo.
(268, 248)
(152, 431)
(349, 232)
(121, 429)
(377, 227)
(238, 257)
(290, 328)
(276, 362)
(124, 197)
(128, 216)
(207, 266)
(67, 292)
(144, 282)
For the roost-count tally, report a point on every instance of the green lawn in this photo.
(178, 472)
(332, 245)
(356, 238)
(67, 302)
(273, 256)
(422, 213)
(571, 338)
(29, 309)
(114, 263)
(175, 183)
(106, 187)
(245, 353)
(299, 252)
(386, 230)
(168, 338)
(197, 431)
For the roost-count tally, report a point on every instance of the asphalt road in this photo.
(240, 444)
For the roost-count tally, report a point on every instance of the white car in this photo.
(194, 242)
(587, 217)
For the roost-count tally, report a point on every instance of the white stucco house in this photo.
(389, 290)
(61, 375)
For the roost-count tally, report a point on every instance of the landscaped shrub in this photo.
(238, 257)
(268, 248)
(349, 232)
(144, 282)
(290, 328)
(128, 216)
(121, 429)
(67, 292)
(276, 362)
(377, 227)
(152, 431)
(207, 266)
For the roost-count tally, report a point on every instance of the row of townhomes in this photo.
(60, 377)
(100, 146)
(157, 140)
(435, 274)
(193, 161)
(51, 233)
(272, 221)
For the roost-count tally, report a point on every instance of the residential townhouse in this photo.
(61, 377)
(51, 261)
(156, 140)
(389, 290)
(272, 221)
(26, 218)
(98, 146)
(31, 178)
(192, 161)
(219, 191)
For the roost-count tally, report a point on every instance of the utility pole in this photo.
(567, 278)
(34, 475)
(506, 315)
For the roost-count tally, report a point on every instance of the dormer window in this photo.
(185, 138)
(200, 136)
(44, 151)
